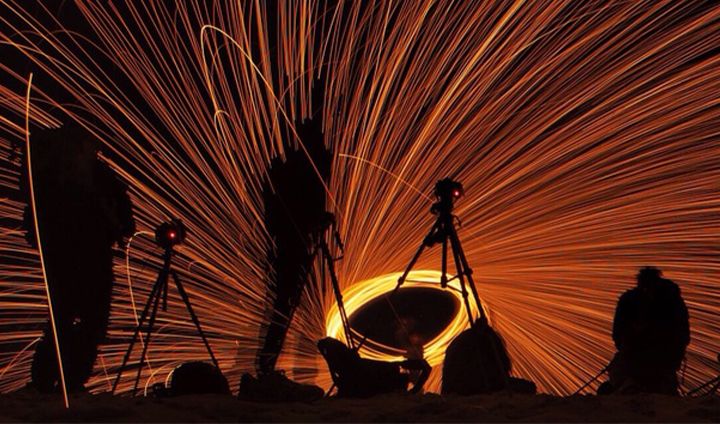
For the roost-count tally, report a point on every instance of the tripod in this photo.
(443, 232)
(327, 259)
(159, 290)
(708, 388)
(592, 380)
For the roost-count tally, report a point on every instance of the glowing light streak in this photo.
(17, 355)
(39, 244)
(586, 136)
(359, 294)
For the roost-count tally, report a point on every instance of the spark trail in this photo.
(586, 135)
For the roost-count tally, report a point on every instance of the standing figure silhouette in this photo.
(294, 200)
(83, 210)
(294, 209)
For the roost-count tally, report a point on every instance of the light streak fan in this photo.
(586, 135)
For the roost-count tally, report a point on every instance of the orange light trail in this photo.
(33, 205)
(586, 135)
(363, 292)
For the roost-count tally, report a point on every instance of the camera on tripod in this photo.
(169, 234)
(448, 188)
(447, 191)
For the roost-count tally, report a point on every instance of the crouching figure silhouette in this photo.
(476, 362)
(651, 331)
(358, 377)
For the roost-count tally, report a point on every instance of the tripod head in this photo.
(327, 222)
(446, 191)
(170, 233)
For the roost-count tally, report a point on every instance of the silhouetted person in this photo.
(358, 377)
(82, 211)
(477, 362)
(651, 331)
(294, 199)
(294, 208)
(412, 342)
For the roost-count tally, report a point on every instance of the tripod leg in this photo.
(164, 295)
(465, 271)
(151, 324)
(712, 384)
(463, 288)
(468, 271)
(415, 258)
(715, 387)
(194, 317)
(136, 333)
(410, 266)
(327, 259)
(443, 277)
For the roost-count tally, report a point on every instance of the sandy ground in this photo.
(26, 406)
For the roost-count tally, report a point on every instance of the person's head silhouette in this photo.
(648, 277)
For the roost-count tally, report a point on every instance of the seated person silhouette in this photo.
(651, 332)
(477, 362)
(358, 377)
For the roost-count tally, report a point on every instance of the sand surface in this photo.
(27, 406)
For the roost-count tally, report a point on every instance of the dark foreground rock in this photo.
(31, 407)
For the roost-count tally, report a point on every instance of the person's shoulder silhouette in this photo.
(76, 193)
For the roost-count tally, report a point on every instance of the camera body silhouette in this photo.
(171, 233)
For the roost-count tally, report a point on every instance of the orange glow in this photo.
(358, 294)
(586, 148)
